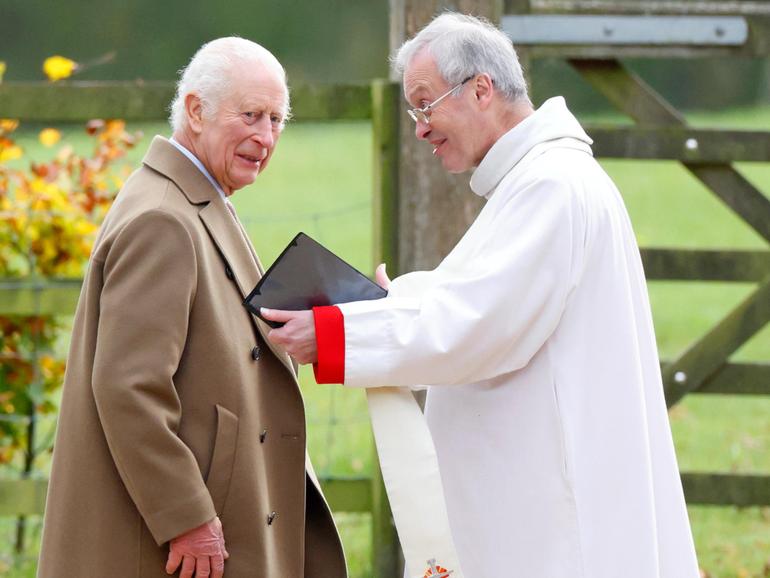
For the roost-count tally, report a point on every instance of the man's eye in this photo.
(276, 120)
(250, 117)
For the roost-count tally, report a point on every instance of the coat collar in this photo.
(228, 235)
(169, 161)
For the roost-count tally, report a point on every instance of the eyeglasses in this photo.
(423, 114)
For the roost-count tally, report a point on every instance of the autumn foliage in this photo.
(49, 215)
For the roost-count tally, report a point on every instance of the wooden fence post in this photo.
(386, 551)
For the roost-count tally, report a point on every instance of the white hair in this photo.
(211, 72)
(464, 46)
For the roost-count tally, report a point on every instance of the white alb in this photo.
(545, 401)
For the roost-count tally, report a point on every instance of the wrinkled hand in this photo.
(201, 551)
(297, 336)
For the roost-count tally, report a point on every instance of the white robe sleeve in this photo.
(487, 308)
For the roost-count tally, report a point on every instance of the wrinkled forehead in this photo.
(422, 78)
(259, 83)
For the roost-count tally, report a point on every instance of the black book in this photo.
(306, 275)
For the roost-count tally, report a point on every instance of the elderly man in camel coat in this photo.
(181, 440)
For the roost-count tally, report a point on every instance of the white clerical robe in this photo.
(545, 400)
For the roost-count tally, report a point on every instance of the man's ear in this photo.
(194, 111)
(484, 89)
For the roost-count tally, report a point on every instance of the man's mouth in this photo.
(254, 161)
(437, 145)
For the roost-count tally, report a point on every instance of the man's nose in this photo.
(263, 133)
(422, 130)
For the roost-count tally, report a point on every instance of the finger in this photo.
(278, 336)
(217, 566)
(278, 315)
(174, 559)
(188, 567)
(203, 567)
(381, 276)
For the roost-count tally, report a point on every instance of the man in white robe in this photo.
(534, 335)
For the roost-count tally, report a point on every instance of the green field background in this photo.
(320, 182)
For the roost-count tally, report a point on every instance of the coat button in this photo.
(256, 352)
(271, 518)
(229, 273)
(263, 436)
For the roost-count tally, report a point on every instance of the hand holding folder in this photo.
(306, 275)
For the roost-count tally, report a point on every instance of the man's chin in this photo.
(454, 168)
(246, 180)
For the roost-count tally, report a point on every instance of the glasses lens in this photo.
(418, 115)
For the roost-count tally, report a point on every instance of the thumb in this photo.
(381, 276)
(277, 314)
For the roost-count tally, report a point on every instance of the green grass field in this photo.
(320, 182)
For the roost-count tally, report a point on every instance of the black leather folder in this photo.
(306, 275)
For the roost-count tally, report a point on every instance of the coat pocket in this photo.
(222, 458)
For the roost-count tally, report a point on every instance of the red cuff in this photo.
(330, 340)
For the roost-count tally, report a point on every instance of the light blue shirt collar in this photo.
(200, 166)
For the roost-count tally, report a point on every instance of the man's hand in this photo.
(381, 276)
(201, 552)
(297, 336)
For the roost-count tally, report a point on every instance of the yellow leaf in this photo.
(49, 137)
(58, 67)
(83, 228)
(2, 70)
(8, 124)
(37, 185)
(11, 153)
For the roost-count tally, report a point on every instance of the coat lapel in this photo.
(228, 236)
(239, 254)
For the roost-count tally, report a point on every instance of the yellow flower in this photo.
(10, 153)
(58, 67)
(2, 70)
(49, 137)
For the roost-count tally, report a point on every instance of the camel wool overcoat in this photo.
(175, 407)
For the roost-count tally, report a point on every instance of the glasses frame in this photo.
(423, 114)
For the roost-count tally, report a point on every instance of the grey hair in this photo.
(210, 74)
(464, 46)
